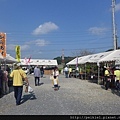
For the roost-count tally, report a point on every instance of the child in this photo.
(55, 82)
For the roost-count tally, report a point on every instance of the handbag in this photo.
(30, 89)
(51, 77)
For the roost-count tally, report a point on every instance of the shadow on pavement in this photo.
(27, 97)
(113, 90)
(56, 88)
(11, 89)
(41, 83)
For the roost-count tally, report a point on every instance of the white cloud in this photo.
(12, 47)
(45, 28)
(97, 30)
(41, 42)
(38, 42)
(24, 47)
(117, 7)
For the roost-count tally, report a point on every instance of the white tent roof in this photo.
(80, 60)
(10, 58)
(72, 62)
(94, 58)
(39, 62)
(113, 56)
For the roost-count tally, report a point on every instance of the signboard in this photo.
(3, 44)
(17, 49)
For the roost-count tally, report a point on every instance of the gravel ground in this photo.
(75, 97)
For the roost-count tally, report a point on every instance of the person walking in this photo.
(70, 71)
(66, 71)
(1, 81)
(18, 74)
(37, 75)
(55, 73)
(42, 71)
(117, 78)
(55, 82)
(5, 83)
(107, 78)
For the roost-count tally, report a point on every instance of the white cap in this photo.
(18, 64)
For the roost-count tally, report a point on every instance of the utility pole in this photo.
(114, 25)
(63, 62)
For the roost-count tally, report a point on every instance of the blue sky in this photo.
(43, 28)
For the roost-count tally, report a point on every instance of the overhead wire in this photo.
(77, 36)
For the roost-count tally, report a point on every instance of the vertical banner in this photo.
(17, 49)
(3, 44)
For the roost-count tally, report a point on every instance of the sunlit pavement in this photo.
(74, 97)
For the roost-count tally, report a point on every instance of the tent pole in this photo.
(98, 64)
(5, 63)
(85, 71)
(98, 74)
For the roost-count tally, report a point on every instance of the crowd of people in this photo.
(19, 78)
(112, 77)
(4, 76)
(18, 75)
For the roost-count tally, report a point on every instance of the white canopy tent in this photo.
(94, 58)
(113, 56)
(40, 62)
(7, 60)
(83, 59)
(72, 62)
(80, 60)
(10, 59)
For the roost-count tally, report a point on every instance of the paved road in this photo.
(75, 97)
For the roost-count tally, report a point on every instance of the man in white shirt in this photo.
(66, 70)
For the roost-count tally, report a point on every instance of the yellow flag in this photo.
(17, 49)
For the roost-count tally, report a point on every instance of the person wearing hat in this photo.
(117, 77)
(18, 74)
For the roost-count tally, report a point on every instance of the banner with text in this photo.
(3, 44)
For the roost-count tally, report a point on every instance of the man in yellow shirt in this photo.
(18, 74)
(70, 71)
(117, 78)
(107, 78)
